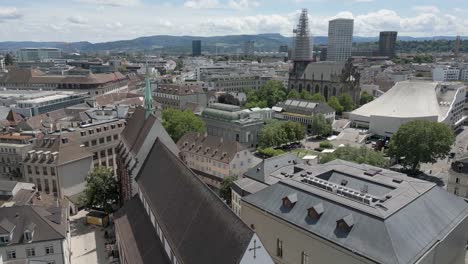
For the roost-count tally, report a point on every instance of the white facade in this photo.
(446, 74)
(340, 39)
(48, 252)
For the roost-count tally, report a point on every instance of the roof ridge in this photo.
(33, 208)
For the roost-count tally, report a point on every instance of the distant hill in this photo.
(183, 44)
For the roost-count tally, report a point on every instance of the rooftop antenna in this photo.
(148, 96)
(457, 48)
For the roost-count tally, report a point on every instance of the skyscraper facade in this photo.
(340, 39)
(196, 48)
(387, 43)
(249, 48)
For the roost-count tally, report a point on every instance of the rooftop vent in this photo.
(397, 181)
(345, 224)
(344, 182)
(316, 211)
(372, 172)
(297, 169)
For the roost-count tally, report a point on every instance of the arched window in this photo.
(309, 89)
(317, 88)
(300, 87)
(334, 91)
(325, 92)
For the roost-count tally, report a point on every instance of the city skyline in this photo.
(109, 20)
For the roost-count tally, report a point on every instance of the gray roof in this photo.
(137, 235)
(247, 186)
(48, 223)
(262, 172)
(325, 71)
(417, 216)
(305, 107)
(7, 186)
(198, 226)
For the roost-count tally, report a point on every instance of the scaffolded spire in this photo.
(301, 41)
(148, 96)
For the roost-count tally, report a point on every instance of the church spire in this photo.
(148, 96)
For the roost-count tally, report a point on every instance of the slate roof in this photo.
(264, 169)
(179, 89)
(49, 223)
(137, 235)
(199, 227)
(325, 71)
(211, 147)
(418, 216)
(305, 107)
(7, 186)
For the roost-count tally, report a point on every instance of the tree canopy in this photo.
(228, 99)
(365, 98)
(270, 152)
(8, 59)
(276, 133)
(357, 155)
(267, 96)
(346, 101)
(101, 189)
(335, 104)
(177, 123)
(294, 94)
(320, 126)
(420, 141)
(225, 191)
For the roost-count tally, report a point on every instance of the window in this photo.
(29, 169)
(54, 186)
(36, 169)
(49, 250)
(119, 124)
(109, 152)
(39, 186)
(103, 153)
(279, 248)
(30, 252)
(4, 239)
(116, 137)
(95, 156)
(305, 258)
(457, 180)
(46, 185)
(44, 170)
(98, 130)
(112, 126)
(106, 128)
(52, 171)
(51, 262)
(93, 142)
(455, 191)
(101, 141)
(11, 254)
(109, 138)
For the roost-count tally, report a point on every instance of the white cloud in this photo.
(201, 4)
(363, 1)
(77, 19)
(114, 25)
(7, 13)
(242, 4)
(111, 2)
(426, 9)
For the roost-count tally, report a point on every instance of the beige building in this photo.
(214, 158)
(13, 148)
(58, 165)
(341, 212)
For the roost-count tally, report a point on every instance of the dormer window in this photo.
(345, 224)
(316, 211)
(28, 235)
(290, 200)
(29, 232)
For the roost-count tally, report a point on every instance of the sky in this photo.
(109, 20)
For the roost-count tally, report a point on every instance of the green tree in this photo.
(8, 59)
(270, 94)
(320, 126)
(326, 145)
(335, 104)
(365, 98)
(294, 94)
(420, 141)
(101, 189)
(225, 191)
(270, 152)
(276, 133)
(177, 123)
(347, 102)
(357, 155)
(228, 99)
(317, 97)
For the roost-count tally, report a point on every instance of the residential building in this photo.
(249, 48)
(39, 54)
(387, 44)
(33, 234)
(259, 177)
(13, 149)
(235, 83)
(445, 73)
(176, 218)
(458, 177)
(93, 84)
(58, 165)
(2, 64)
(340, 39)
(329, 79)
(48, 103)
(214, 158)
(303, 111)
(412, 100)
(196, 48)
(101, 137)
(9, 188)
(231, 123)
(342, 212)
(178, 95)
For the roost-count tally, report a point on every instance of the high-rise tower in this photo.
(340, 39)
(387, 43)
(302, 46)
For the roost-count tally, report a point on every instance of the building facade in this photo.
(214, 158)
(231, 123)
(387, 43)
(32, 234)
(58, 165)
(196, 48)
(458, 177)
(42, 105)
(179, 95)
(13, 149)
(39, 54)
(340, 39)
(303, 111)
